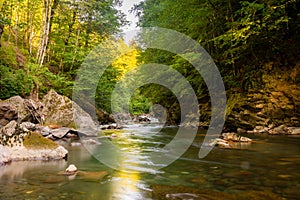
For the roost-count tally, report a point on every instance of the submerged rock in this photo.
(91, 142)
(92, 176)
(164, 192)
(182, 196)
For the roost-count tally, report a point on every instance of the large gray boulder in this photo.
(7, 113)
(27, 110)
(61, 110)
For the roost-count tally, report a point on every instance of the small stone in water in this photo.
(71, 169)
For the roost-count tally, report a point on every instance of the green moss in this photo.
(232, 102)
(36, 141)
(111, 131)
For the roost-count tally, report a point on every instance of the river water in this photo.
(268, 168)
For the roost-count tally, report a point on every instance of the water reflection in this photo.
(125, 186)
(16, 170)
(127, 183)
(267, 165)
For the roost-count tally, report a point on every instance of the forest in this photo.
(44, 43)
(203, 103)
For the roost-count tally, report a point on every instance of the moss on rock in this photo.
(34, 140)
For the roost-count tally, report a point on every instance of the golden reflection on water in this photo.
(125, 187)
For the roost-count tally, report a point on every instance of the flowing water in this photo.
(269, 165)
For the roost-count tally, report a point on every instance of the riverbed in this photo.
(269, 166)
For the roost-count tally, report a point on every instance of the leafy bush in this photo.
(8, 55)
(14, 82)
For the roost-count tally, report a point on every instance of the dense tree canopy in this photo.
(241, 36)
(50, 39)
(44, 43)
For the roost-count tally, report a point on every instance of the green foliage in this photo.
(232, 102)
(105, 88)
(8, 55)
(14, 82)
(75, 27)
(241, 36)
(139, 104)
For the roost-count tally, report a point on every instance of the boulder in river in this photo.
(234, 137)
(231, 140)
(63, 111)
(143, 119)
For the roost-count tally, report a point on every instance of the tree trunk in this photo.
(44, 33)
(76, 47)
(49, 7)
(1, 31)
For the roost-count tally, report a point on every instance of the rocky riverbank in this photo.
(272, 109)
(28, 129)
(275, 110)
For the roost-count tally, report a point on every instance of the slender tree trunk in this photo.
(49, 11)
(1, 32)
(44, 33)
(231, 45)
(70, 26)
(17, 26)
(76, 47)
(52, 13)
(30, 33)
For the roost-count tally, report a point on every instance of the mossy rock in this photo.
(34, 140)
(111, 131)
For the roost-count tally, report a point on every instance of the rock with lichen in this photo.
(61, 110)
(17, 142)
